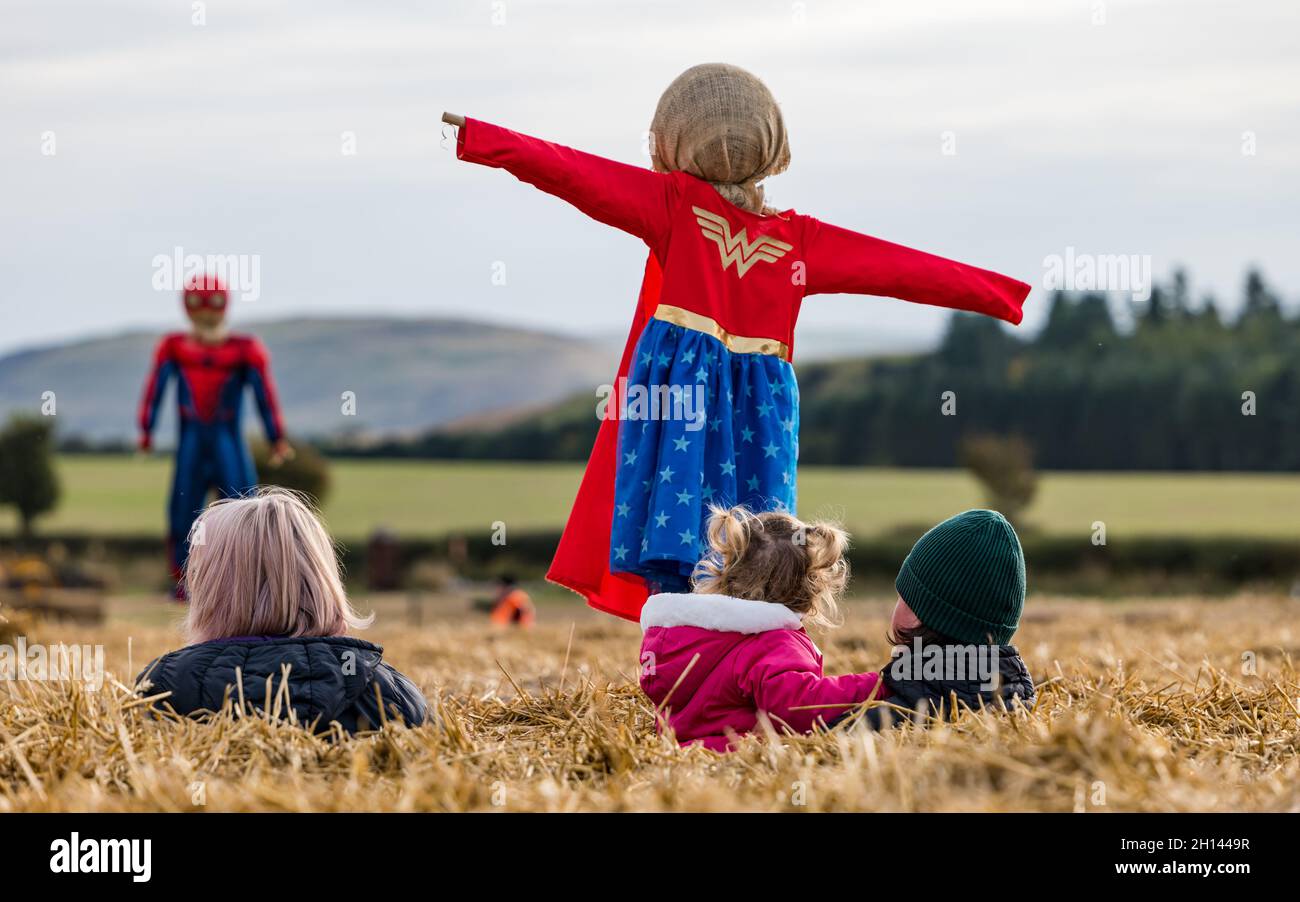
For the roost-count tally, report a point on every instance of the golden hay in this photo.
(1147, 706)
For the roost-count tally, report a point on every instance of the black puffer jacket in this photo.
(922, 683)
(330, 679)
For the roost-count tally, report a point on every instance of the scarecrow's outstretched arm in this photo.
(631, 198)
(840, 261)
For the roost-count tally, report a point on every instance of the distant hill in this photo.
(408, 375)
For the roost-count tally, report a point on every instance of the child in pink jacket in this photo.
(715, 659)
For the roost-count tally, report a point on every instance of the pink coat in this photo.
(749, 656)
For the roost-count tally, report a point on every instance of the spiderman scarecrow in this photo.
(212, 368)
(724, 281)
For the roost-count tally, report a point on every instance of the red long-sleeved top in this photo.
(211, 380)
(747, 272)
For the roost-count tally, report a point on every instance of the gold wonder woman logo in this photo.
(736, 248)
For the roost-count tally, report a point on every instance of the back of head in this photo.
(965, 578)
(775, 557)
(263, 565)
(721, 124)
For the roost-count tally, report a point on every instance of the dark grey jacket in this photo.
(921, 684)
(331, 679)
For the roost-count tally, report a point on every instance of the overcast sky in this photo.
(228, 137)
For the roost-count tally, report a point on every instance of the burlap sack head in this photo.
(721, 124)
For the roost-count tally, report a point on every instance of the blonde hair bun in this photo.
(774, 556)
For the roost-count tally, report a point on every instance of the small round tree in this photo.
(307, 471)
(1004, 465)
(28, 482)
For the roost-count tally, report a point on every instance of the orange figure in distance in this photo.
(513, 606)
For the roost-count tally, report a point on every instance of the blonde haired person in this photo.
(265, 593)
(735, 648)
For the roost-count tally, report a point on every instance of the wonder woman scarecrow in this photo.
(722, 289)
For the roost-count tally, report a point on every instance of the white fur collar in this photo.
(717, 612)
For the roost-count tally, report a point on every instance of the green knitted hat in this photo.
(965, 578)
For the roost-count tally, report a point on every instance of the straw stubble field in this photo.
(1144, 705)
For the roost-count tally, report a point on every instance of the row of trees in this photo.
(1171, 386)
(1179, 390)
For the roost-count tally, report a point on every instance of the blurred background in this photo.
(1137, 162)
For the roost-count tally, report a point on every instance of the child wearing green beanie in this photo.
(961, 591)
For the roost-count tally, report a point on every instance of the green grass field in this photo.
(418, 498)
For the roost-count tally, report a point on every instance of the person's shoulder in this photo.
(343, 642)
(786, 646)
(786, 635)
(155, 672)
(249, 348)
(169, 342)
(400, 695)
(685, 181)
(297, 645)
(166, 672)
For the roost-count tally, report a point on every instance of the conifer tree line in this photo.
(1172, 385)
(1179, 389)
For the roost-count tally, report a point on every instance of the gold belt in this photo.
(739, 344)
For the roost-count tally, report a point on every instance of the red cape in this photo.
(581, 561)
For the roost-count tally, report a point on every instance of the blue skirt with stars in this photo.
(702, 425)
